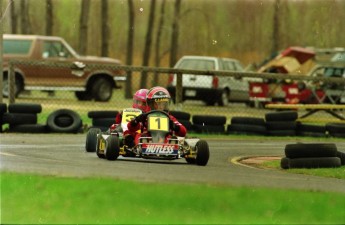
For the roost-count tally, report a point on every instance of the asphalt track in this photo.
(64, 155)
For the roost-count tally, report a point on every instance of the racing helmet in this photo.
(158, 98)
(139, 100)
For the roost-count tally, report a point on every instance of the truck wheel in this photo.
(224, 98)
(112, 148)
(202, 153)
(102, 90)
(17, 88)
(91, 139)
(83, 95)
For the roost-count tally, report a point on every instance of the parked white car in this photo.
(209, 88)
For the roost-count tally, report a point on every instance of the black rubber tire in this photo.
(53, 118)
(246, 129)
(311, 128)
(91, 139)
(3, 108)
(285, 163)
(310, 134)
(208, 129)
(24, 108)
(18, 86)
(103, 122)
(112, 148)
(179, 115)
(187, 124)
(83, 95)
(324, 162)
(190, 160)
(29, 128)
(102, 114)
(312, 150)
(281, 133)
(102, 90)
(336, 129)
(281, 116)
(202, 153)
(19, 118)
(208, 120)
(248, 120)
(341, 155)
(280, 125)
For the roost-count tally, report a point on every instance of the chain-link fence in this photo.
(48, 85)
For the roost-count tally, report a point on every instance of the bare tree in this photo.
(83, 23)
(275, 31)
(25, 19)
(130, 38)
(148, 41)
(104, 28)
(175, 34)
(158, 41)
(49, 17)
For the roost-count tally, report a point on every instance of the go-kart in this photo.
(157, 143)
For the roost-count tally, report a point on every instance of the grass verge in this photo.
(39, 199)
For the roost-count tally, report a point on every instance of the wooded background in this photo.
(158, 32)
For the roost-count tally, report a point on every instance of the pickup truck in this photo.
(94, 83)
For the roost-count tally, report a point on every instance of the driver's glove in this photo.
(140, 118)
(173, 126)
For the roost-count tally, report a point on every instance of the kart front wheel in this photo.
(112, 148)
(202, 153)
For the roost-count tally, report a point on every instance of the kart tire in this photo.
(91, 139)
(281, 116)
(325, 162)
(284, 163)
(311, 150)
(248, 120)
(103, 114)
(179, 115)
(28, 128)
(19, 118)
(24, 108)
(53, 119)
(208, 120)
(202, 153)
(112, 148)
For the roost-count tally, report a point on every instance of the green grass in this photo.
(338, 172)
(27, 198)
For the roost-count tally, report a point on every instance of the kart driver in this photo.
(157, 98)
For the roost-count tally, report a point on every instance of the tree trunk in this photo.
(25, 19)
(49, 18)
(13, 22)
(105, 28)
(275, 34)
(158, 41)
(130, 38)
(83, 23)
(175, 34)
(148, 41)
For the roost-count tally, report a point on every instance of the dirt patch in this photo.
(257, 161)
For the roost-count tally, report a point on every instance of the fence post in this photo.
(11, 84)
(179, 89)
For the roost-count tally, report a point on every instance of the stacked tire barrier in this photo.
(183, 118)
(3, 110)
(281, 123)
(102, 119)
(64, 121)
(312, 155)
(247, 126)
(336, 129)
(22, 118)
(208, 124)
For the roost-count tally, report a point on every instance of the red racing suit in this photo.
(182, 131)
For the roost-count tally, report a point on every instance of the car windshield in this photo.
(334, 72)
(17, 46)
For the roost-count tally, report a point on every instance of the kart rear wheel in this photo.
(202, 153)
(91, 139)
(112, 148)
